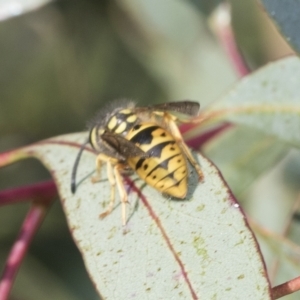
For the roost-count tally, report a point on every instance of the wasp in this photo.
(145, 140)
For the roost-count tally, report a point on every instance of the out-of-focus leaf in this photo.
(172, 40)
(199, 248)
(286, 14)
(13, 8)
(282, 249)
(206, 7)
(268, 100)
(68, 61)
(269, 203)
(243, 155)
(47, 285)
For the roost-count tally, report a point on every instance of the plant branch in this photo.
(221, 25)
(289, 286)
(286, 288)
(29, 228)
(197, 141)
(41, 190)
(9, 157)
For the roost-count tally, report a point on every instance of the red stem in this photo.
(29, 228)
(197, 141)
(286, 288)
(221, 25)
(41, 190)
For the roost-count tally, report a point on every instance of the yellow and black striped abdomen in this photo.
(166, 167)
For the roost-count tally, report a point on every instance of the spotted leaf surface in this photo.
(200, 248)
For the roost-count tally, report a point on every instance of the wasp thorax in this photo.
(122, 121)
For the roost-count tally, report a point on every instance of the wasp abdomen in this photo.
(166, 168)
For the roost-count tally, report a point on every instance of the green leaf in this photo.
(172, 41)
(243, 155)
(47, 285)
(286, 14)
(200, 248)
(268, 100)
(281, 249)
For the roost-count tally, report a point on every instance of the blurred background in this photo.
(60, 62)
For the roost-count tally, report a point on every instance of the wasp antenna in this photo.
(75, 166)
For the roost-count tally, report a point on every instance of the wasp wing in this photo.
(190, 108)
(123, 146)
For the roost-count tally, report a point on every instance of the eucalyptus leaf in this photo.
(199, 248)
(172, 40)
(282, 256)
(268, 100)
(243, 155)
(282, 249)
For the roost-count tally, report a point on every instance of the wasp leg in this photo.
(122, 191)
(170, 121)
(114, 177)
(110, 175)
(112, 181)
(100, 158)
